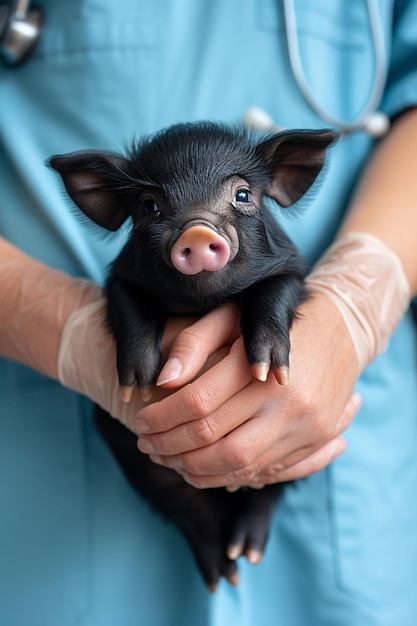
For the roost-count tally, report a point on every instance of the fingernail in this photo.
(357, 400)
(145, 446)
(171, 370)
(339, 446)
(141, 427)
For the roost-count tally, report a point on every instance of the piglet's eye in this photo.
(149, 207)
(242, 195)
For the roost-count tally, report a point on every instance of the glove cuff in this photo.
(366, 281)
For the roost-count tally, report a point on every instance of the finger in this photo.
(198, 436)
(247, 427)
(211, 467)
(312, 464)
(304, 452)
(307, 459)
(352, 407)
(199, 399)
(193, 345)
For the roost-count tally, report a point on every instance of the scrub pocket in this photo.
(102, 55)
(372, 486)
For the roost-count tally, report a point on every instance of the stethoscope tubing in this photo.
(368, 112)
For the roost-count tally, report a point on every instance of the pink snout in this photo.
(200, 248)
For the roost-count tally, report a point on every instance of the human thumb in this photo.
(199, 346)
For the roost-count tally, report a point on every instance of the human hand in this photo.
(227, 429)
(87, 354)
(87, 357)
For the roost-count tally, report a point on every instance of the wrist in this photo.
(366, 282)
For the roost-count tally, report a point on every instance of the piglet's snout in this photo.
(200, 248)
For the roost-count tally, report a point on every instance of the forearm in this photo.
(370, 272)
(56, 325)
(385, 203)
(36, 302)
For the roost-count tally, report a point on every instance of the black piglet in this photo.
(201, 235)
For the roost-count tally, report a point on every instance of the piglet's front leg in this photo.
(137, 323)
(267, 311)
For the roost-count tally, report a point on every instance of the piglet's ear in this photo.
(91, 180)
(295, 159)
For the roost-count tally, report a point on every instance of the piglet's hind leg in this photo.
(201, 515)
(251, 519)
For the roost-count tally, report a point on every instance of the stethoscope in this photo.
(21, 28)
(373, 122)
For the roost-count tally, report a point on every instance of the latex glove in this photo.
(56, 325)
(366, 281)
(87, 361)
(36, 303)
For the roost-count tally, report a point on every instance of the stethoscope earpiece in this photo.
(20, 31)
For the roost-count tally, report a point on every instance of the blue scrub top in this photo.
(77, 546)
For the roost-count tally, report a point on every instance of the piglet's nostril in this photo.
(200, 248)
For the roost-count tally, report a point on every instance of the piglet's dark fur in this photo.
(201, 235)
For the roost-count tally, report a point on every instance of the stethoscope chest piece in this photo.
(20, 31)
(377, 125)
